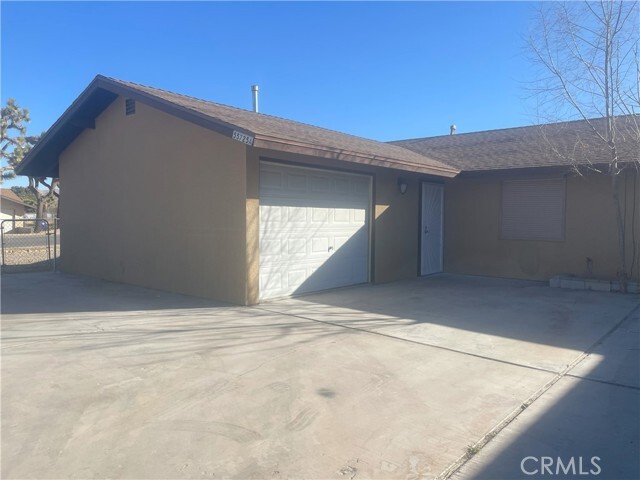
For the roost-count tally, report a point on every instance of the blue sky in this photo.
(385, 71)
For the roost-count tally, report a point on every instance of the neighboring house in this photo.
(180, 194)
(12, 208)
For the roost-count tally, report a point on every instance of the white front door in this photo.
(314, 229)
(431, 228)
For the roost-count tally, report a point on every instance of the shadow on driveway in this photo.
(48, 292)
(590, 409)
(386, 381)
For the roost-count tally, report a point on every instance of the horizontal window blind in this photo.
(533, 209)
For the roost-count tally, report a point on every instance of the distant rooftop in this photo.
(8, 194)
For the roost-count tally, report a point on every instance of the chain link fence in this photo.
(29, 244)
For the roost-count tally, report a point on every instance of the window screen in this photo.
(533, 209)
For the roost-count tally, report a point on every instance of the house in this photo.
(529, 202)
(181, 194)
(11, 208)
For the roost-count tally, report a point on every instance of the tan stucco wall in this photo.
(472, 231)
(395, 226)
(253, 227)
(152, 200)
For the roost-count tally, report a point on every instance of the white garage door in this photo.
(314, 229)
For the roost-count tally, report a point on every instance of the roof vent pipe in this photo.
(254, 91)
(452, 130)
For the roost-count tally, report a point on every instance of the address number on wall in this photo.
(241, 137)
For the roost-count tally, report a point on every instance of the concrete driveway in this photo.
(444, 376)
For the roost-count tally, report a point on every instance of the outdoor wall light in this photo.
(402, 186)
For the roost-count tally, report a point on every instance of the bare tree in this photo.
(589, 69)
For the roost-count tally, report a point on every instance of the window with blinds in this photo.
(533, 209)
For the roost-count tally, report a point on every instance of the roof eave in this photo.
(11, 200)
(43, 159)
(531, 169)
(26, 164)
(45, 153)
(314, 150)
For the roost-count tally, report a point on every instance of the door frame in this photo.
(421, 227)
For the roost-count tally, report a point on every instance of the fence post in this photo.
(55, 243)
(48, 240)
(2, 240)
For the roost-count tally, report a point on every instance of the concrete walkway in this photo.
(393, 381)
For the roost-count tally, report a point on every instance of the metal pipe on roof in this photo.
(254, 91)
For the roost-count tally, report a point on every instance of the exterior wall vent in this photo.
(129, 106)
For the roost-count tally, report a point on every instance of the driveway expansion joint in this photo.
(407, 340)
(474, 449)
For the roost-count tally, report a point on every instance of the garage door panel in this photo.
(286, 184)
(359, 216)
(271, 247)
(320, 215)
(296, 247)
(341, 215)
(297, 277)
(321, 184)
(271, 180)
(297, 215)
(341, 186)
(313, 200)
(320, 245)
(297, 182)
(320, 221)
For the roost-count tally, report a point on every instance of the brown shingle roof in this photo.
(8, 194)
(523, 147)
(265, 131)
(276, 133)
(549, 145)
